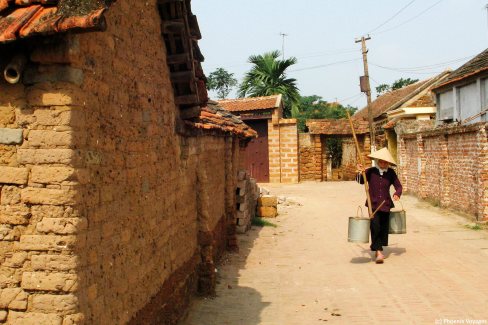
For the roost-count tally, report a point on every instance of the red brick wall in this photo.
(447, 166)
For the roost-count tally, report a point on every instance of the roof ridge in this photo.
(249, 98)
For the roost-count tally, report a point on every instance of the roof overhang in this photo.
(411, 112)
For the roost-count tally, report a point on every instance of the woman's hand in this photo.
(396, 197)
(360, 168)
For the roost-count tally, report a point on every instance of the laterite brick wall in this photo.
(306, 157)
(448, 166)
(107, 216)
(283, 150)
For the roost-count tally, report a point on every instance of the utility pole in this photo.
(283, 45)
(366, 88)
(486, 7)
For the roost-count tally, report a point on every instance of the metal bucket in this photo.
(398, 221)
(358, 230)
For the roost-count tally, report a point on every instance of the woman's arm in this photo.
(359, 175)
(398, 187)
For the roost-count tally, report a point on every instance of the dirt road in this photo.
(305, 272)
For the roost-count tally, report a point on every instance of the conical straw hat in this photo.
(383, 154)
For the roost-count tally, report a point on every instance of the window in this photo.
(469, 102)
(446, 106)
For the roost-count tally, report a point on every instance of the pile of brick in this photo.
(267, 206)
(247, 194)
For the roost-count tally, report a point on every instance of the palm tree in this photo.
(268, 77)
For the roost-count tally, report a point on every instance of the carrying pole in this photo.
(360, 155)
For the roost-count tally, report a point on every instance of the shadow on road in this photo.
(394, 251)
(242, 305)
(368, 255)
(360, 260)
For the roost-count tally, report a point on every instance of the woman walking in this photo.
(380, 179)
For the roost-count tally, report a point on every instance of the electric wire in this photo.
(408, 20)
(426, 68)
(300, 57)
(325, 65)
(406, 71)
(349, 98)
(392, 17)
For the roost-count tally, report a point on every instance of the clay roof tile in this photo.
(215, 118)
(26, 18)
(251, 103)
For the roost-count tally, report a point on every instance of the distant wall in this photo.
(314, 157)
(448, 166)
(306, 160)
(283, 150)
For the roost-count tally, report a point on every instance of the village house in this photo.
(448, 164)
(118, 179)
(273, 155)
(411, 103)
(414, 102)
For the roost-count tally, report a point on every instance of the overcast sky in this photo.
(409, 38)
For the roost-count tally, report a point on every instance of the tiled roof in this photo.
(251, 103)
(474, 66)
(395, 99)
(386, 101)
(425, 101)
(337, 127)
(25, 18)
(215, 118)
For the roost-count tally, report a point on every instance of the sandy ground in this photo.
(305, 271)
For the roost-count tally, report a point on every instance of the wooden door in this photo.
(256, 157)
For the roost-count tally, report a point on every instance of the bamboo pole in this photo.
(363, 172)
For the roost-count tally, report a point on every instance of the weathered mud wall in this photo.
(107, 215)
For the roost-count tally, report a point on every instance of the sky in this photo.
(409, 39)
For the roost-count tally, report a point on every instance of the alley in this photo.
(305, 272)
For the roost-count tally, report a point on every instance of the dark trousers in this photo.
(379, 230)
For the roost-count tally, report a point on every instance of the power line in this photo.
(409, 20)
(325, 65)
(422, 68)
(300, 57)
(348, 98)
(376, 82)
(392, 17)
(405, 71)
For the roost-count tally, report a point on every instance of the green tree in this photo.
(314, 107)
(222, 82)
(397, 84)
(268, 77)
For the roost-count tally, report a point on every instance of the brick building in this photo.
(273, 156)
(315, 158)
(413, 102)
(117, 179)
(447, 163)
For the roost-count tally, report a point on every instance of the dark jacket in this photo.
(379, 187)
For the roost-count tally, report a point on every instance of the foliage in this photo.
(268, 77)
(222, 82)
(313, 107)
(334, 148)
(397, 84)
(260, 222)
